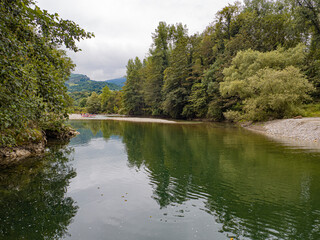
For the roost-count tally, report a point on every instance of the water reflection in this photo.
(33, 201)
(253, 188)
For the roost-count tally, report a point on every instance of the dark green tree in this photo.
(175, 88)
(307, 19)
(133, 101)
(105, 100)
(94, 103)
(83, 102)
(155, 66)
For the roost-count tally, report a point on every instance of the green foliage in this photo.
(110, 100)
(311, 110)
(105, 99)
(133, 101)
(272, 94)
(175, 87)
(154, 67)
(197, 103)
(307, 21)
(78, 96)
(83, 102)
(33, 68)
(247, 63)
(263, 85)
(94, 103)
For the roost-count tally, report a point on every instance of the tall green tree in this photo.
(155, 66)
(307, 19)
(175, 88)
(105, 97)
(133, 101)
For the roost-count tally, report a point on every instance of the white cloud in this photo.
(123, 28)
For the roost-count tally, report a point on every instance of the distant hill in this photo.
(118, 81)
(82, 83)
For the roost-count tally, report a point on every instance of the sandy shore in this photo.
(304, 129)
(128, 119)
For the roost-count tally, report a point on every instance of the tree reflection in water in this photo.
(254, 188)
(33, 201)
(251, 191)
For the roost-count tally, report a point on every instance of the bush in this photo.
(274, 94)
(266, 84)
(311, 110)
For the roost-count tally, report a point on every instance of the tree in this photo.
(247, 63)
(83, 102)
(309, 10)
(155, 66)
(275, 93)
(267, 85)
(307, 20)
(33, 68)
(105, 100)
(133, 101)
(94, 103)
(175, 89)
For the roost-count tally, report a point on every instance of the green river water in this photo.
(139, 181)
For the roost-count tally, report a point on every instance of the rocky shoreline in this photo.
(15, 154)
(301, 129)
(10, 155)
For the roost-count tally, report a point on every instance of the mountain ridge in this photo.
(81, 83)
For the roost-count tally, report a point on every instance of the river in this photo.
(138, 181)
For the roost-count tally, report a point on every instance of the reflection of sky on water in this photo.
(98, 162)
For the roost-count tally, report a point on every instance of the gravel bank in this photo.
(128, 119)
(306, 129)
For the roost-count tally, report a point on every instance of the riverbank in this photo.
(10, 155)
(127, 119)
(302, 129)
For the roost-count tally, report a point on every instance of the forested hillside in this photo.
(256, 61)
(82, 83)
(118, 81)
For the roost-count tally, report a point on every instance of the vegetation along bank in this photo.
(33, 97)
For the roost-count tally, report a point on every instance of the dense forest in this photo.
(256, 61)
(34, 69)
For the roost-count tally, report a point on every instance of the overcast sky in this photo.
(123, 28)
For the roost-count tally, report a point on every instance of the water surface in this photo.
(121, 180)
